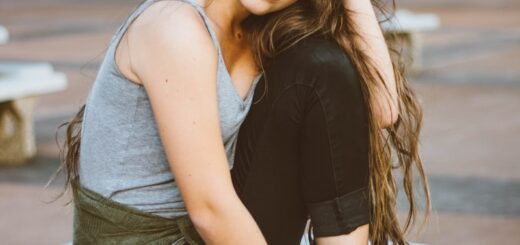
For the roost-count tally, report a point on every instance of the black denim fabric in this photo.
(303, 148)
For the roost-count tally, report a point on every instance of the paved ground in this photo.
(470, 90)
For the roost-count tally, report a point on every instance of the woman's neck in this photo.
(227, 14)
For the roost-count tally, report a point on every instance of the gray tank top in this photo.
(121, 154)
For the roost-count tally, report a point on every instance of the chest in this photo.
(239, 61)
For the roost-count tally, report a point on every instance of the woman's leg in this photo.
(303, 149)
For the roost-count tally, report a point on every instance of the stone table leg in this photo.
(17, 140)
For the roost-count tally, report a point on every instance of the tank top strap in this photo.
(146, 3)
(207, 22)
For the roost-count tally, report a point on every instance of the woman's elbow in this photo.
(204, 220)
(388, 117)
(209, 212)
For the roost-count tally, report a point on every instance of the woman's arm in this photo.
(174, 57)
(371, 40)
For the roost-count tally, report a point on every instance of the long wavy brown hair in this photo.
(391, 148)
(276, 32)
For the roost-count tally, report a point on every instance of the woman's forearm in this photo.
(372, 42)
(227, 221)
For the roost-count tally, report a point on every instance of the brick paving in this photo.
(470, 90)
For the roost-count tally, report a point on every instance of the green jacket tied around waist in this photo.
(99, 220)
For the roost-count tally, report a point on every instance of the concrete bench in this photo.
(407, 27)
(4, 35)
(20, 83)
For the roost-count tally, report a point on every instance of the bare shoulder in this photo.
(168, 14)
(166, 32)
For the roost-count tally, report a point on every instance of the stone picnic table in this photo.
(20, 84)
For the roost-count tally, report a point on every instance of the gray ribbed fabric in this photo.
(121, 155)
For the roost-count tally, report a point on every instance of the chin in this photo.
(261, 7)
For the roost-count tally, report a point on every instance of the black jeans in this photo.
(303, 148)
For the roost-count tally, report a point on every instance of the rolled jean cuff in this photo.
(341, 215)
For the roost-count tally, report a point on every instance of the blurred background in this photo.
(466, 74)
